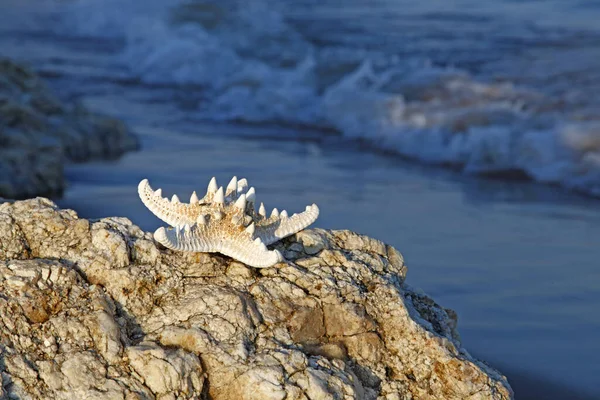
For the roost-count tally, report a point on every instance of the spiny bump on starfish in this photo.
(224, 221)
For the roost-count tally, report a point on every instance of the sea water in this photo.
(385, 113)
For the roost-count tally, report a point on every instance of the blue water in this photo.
(347, 104)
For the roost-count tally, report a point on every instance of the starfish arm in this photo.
(172, 212)
(277, 228)
(240, 247)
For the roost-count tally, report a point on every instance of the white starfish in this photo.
(224, 221)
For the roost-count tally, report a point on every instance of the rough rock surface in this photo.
(98, 310)
(38, 134)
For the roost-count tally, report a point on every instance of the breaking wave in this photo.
(254, 66)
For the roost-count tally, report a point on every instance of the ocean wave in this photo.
(255, 67)
(481, 128)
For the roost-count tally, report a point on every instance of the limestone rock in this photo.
(98, 310)
(38, 134)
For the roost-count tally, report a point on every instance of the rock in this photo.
(38, 134)
(99, 310)
(311, 242)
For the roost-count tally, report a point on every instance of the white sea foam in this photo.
(255, 67)
(482, 128)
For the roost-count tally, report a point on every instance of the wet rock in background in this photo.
(38, 134)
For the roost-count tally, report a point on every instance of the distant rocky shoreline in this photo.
(98, 309)
(39, 134)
